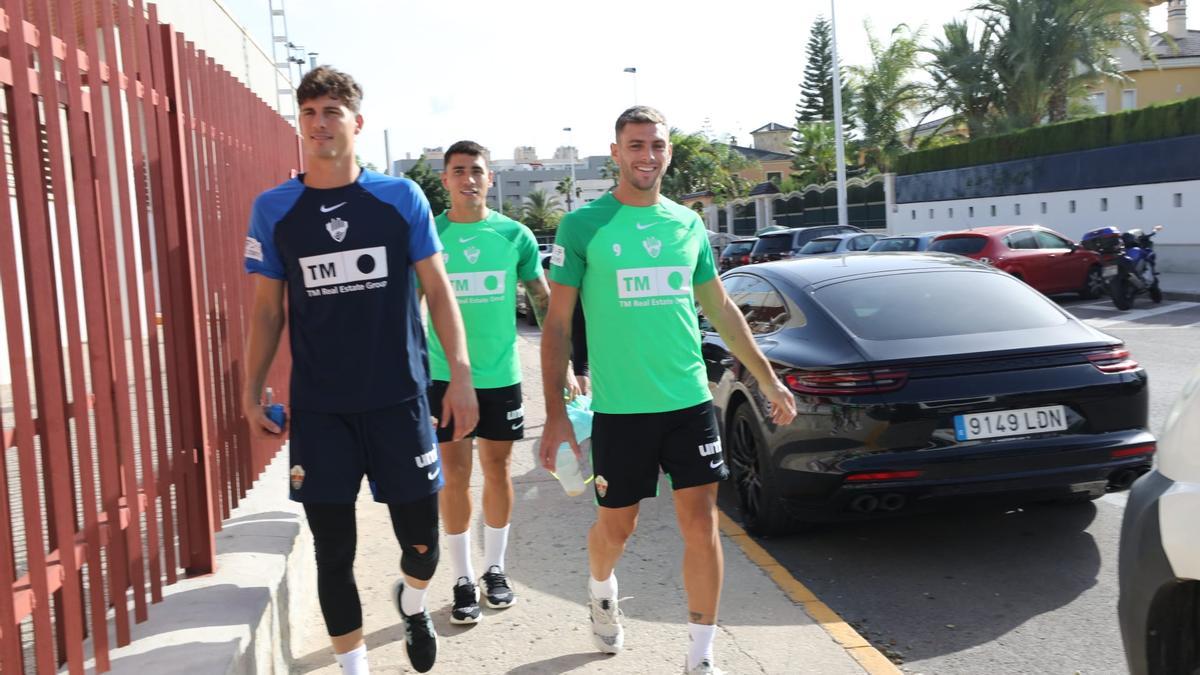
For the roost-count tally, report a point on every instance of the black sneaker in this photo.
(419, 637)
(466, 602)
(497, 591)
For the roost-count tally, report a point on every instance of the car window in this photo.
(1051, 240)
(820, 246)
(961, 245)
(1021, 241)
(935, 304)
(733, 285)
(763, 307)
(862, 243)
(897, 244)
(741, 248)
(805, 236)
(776, 244)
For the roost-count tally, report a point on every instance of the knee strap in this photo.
(420, 565)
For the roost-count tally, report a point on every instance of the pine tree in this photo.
(816, 92)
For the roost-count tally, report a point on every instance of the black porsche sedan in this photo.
(920, 378)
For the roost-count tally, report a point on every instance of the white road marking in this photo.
(1140, 314)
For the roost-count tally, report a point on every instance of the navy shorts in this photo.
(629, 450)
(393, 447)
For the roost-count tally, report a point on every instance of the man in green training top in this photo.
(485, 254)
(640, 262)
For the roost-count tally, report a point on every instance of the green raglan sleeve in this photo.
(568, 258)
(529, 265)
(706, 267)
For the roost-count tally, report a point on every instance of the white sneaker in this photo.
(607, 633)
(705, 667)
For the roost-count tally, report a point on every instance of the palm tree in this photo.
(568, 189)
(963, 78)
(1047, 50)
(542, 211)
(815, 154)
(885, 94)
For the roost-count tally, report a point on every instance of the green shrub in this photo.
(1161, 120)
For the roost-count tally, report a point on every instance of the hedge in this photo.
(1162, 120)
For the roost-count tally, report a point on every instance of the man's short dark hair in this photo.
(464, 148)
(639, 114)
(328, 81)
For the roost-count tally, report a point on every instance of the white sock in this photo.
(702, 643)
(604, 589)
(460, 555)
(495, 541)
(354, 662)
(412, 600)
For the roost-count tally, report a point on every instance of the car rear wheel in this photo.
(762, 510)
(1093, 286)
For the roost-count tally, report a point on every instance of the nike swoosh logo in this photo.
(433, 474)
(463, 240)
(715, 464)
(642, 227)
(335, 207)
(518, 426)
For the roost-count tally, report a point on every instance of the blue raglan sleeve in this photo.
(261, 256)
(423, 239)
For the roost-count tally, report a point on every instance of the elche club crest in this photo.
(337, 229)
(653, 246)
(472, 254)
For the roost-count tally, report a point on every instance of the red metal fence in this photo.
(130, 161)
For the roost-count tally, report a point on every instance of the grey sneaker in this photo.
(705, 667)
(607, 633)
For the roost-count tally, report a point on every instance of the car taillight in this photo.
(1113, 360)
(846, 382)
(881, 475)
(1135, 451)
(745, 260)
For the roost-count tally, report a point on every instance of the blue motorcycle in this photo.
(1132, 271)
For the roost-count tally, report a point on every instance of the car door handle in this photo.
(727, 361)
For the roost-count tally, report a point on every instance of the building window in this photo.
(914, 214)
(1043, 207)
(1016, 209)
(774, 177)
(931, 214)
(970, 211)
(1071, 206)
(1138, 202)
(950, 212)
(1099, 101)
(993, 210)
(1128, 99)
(1104, 203)
(1178, 200)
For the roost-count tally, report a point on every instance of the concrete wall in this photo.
(1175, 205)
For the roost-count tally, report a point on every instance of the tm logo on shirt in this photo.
(478, 287)
(650, 286)
(345, 271)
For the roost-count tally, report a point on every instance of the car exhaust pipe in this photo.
(892, 501)
(864, 503)
(1122, 479)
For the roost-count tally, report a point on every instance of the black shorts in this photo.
(393, 447)
(628, 450)
(501, 413)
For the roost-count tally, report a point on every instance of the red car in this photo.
(1040, 257)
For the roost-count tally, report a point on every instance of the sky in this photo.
(514, 73)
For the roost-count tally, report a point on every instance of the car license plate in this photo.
(1109, 271)
(1002, 423)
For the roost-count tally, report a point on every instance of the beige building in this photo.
(1175, 75)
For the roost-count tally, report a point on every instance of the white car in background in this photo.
(1159, 604)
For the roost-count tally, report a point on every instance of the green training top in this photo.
(484, 259)
(636, 267)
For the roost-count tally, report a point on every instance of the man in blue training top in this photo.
(344, 243)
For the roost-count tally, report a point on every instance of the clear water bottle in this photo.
(567, 469)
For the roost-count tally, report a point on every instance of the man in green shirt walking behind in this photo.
(485, 254)
(639, 262)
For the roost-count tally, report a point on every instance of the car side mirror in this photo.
(1074, 247)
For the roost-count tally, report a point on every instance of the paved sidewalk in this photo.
(765, 622)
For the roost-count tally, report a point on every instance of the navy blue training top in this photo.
(347, 256)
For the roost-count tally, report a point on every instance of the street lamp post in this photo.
(839, 141)
(571, 190)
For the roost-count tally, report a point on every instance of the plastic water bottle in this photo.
(275, 411)
(573, 475)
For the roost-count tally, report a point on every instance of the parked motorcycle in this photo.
(1129, 263)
